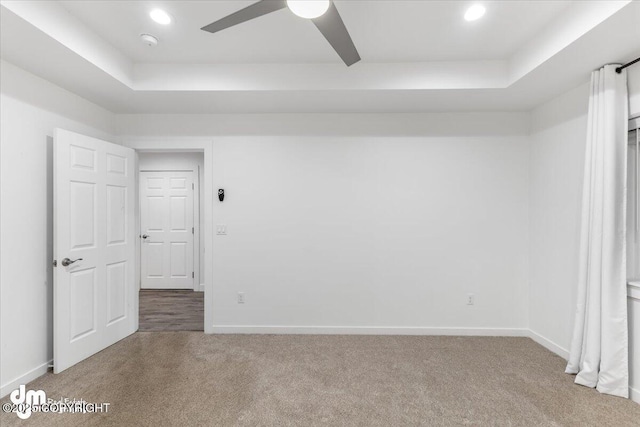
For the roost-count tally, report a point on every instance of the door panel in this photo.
(83, 302)
(178, 260)
(94, 222)
(178, 183)
(116, 290)
(116, 164)
(116, 215)
(178, 213)
(82, 214)
(167, 219)
(83, 158)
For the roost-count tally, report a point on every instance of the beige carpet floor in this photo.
(191, 379)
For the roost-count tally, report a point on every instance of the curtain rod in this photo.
(622, 67)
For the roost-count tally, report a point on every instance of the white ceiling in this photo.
(417, 55)
(383, 31)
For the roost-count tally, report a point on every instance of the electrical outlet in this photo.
(471, 299)
(240, 297)
(221, 229)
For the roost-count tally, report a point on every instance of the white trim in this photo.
(197, 246)
(549, 345)
(201, 288)
(26, 378)
(368, 330)
(634, 394)
(136, 297)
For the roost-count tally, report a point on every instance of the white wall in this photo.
(559, 130)
(162, 126)
(30, 109)
(371, 233)
(367, 234)
(558, 139)
(182, 161)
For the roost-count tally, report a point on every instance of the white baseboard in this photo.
(634, 394)
(200, 288)
(25, 378)
(549, 345)
(368, 330)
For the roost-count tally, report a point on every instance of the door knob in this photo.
(144, 236)
(67, 262)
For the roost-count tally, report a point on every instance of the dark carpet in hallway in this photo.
(171, 310)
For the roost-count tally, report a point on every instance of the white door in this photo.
(166, 224)
(95, 298)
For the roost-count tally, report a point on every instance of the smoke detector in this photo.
(149, 40)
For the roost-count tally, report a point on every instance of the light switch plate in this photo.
(221, 229)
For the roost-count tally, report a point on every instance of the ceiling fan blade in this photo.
(333, 29)
(255, 10)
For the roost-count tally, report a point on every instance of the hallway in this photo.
(171, 310)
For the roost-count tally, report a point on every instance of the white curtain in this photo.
(599, 349)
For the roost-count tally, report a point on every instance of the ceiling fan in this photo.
(322, 13)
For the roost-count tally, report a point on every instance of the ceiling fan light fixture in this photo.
(308, 9)
(475, 12)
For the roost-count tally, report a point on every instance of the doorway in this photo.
(96, 241)
(171, 296)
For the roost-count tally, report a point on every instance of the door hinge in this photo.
(192, 230)
(193, 186)
(55, 262)
(193, 275)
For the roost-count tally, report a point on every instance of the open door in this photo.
(94, 303)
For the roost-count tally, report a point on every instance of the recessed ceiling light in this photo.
(148, 39)
(160, 16)
(475, 12)
(309, 9)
